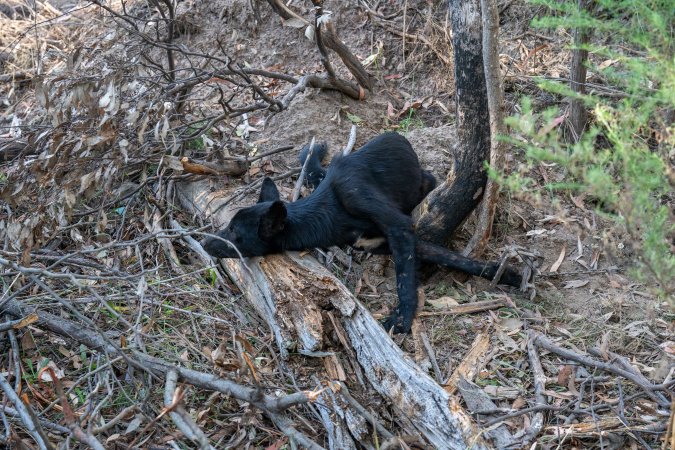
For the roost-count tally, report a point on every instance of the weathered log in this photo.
(291, 292)
(335, 416)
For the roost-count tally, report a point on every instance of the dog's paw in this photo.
(399, 321)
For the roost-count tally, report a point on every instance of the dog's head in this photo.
(253, 229)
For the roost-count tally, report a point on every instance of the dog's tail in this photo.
(428, 183)
(315, 173)
(428, 252)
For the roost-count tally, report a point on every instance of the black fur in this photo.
(314, 174)
(365, 195)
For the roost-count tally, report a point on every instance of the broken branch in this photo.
(542, 341)
(27, 415)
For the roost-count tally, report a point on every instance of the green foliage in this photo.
(29, 374)
(198, 142)
(410, 122)
(211, 276)
(623, 162)
(353, 118)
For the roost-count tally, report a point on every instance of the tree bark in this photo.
(449, 205)
(578, 114)
(495, 96)
(293, 294)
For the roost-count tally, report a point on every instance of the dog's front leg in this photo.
(366, 202)
(402, 243)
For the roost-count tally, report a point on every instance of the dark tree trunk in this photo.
(578, 115)
(448, 206)
(495, 95)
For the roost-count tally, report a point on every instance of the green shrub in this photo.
(623, 162)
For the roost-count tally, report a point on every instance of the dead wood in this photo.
(322, 82)
(319, 27)
(273, 407)
(495, 96)
(73, 423)
(47, 425)
(474, 360)
(348, 59)
(227, 167)
(172, 404)
(650, 389)
(97, 341)
(669, 437)
(16, 355)
(154, 225)
(344, 393)
(295, 195)
(601, 427)
(331, 41)
(338, 418)
(292, 293)
(617, 359)
(28, 416)
(197, 248)
(477, 400)
(20, 323)
(539, 382)
(469, 308)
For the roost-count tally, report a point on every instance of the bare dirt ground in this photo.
(583, 295)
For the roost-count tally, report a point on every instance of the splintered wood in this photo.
(475, 359)
(468, 308)
(298, 296)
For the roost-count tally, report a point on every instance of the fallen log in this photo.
(292, 293)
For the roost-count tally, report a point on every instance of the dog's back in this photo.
(386, 163)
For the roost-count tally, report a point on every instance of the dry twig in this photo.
(539, 381)
(272, 406)
(650, 389)
(69, 417)
(172, 404)
(352, 140)
(28, 416)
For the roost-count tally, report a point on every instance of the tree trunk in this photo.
(578, 115)
(495, 95)
(449, 205)
(294, 294)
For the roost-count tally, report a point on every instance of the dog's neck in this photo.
(309, 224)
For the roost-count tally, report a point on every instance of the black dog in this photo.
(365, 201)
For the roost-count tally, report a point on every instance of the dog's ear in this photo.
(268, 191)
(273, 221)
